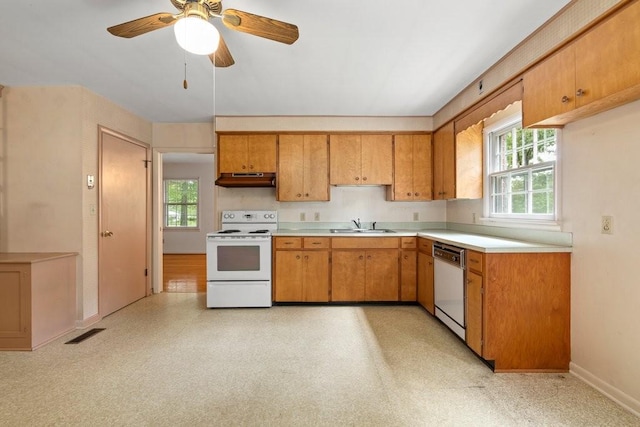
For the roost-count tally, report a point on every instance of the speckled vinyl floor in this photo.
(168, 361)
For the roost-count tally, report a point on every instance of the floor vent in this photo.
(84, 336)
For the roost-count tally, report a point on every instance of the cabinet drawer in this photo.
(288, 242)
(316, 243)
(364, 242)
(408, 242)
(474, 261)
(425, 245)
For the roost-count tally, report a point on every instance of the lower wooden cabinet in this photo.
(301, 275)
(518, 310)
(364, 275)
(474, 312)
(425, 275)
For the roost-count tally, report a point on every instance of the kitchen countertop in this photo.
(476, 242)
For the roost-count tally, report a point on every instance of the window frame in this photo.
(165, 224)
(541, 221)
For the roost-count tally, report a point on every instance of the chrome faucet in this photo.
(357, 223)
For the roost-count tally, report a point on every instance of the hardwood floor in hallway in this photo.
(184, 272)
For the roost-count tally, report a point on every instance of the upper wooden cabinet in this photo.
(457, 163)
(361, 159)
(412, 175)
(303, 168)
(246, 153)
(597, 71)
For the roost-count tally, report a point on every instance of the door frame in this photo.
(158, 219)
(103, 130)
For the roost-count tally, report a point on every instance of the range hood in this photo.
(247, 180)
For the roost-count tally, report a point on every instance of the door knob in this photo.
(106, 233)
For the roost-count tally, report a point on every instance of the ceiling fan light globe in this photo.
(196, 35)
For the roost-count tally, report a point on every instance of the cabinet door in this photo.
(288, 277)
(444, 163)
(347, 275)
(408, 275)
(474, 312)
(381, 277)
(422, 171)
(262, 153)
(345, 155)
(290, 168)
(607, 57)
(403, 161)
(232, 153)
(468, 164)
(425, 282)
(316, 276)
(316, 168)
(377, 159)
(549, 87)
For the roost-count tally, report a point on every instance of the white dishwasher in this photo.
(449, 288)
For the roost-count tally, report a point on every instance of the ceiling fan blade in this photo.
(142, 25)
(268, 28)
(222, 57)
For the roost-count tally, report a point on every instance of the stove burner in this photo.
(228, 231)
(259, 232)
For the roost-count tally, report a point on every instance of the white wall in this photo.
(347, 203)
(193, 241)
(601, 176)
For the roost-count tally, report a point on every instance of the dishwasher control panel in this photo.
(451, 254)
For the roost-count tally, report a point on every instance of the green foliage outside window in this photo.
(181, 203)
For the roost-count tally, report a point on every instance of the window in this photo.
(521, 172)
(181, 203)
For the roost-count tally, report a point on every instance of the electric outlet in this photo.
(316, 216)
(416, 216)
(303, 216)
(607, 224)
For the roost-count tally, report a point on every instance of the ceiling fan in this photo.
(198, 12)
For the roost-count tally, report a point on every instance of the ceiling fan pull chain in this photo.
(184, 82)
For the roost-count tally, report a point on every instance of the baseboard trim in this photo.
(85, 323)
(618, 396)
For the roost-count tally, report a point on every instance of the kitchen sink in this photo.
(361, 230)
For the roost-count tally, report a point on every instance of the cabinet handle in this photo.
(250, 166)
(406, 257)
(306, 194)
(475, 261)
(298, 195)
(315, 243)
(417, 194)
(360, 257)
(408, 194)
(288, 243)
(306, 257)
(580, 92)
(565, 99)
(364, 178)
(244, 166)
(369, 257)
(297, 256)
(357, 178)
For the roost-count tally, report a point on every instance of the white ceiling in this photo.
(353, 58)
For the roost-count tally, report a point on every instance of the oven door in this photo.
(238, 258)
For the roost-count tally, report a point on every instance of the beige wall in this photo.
(51, 146)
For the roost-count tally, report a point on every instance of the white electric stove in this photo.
(239, 260)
